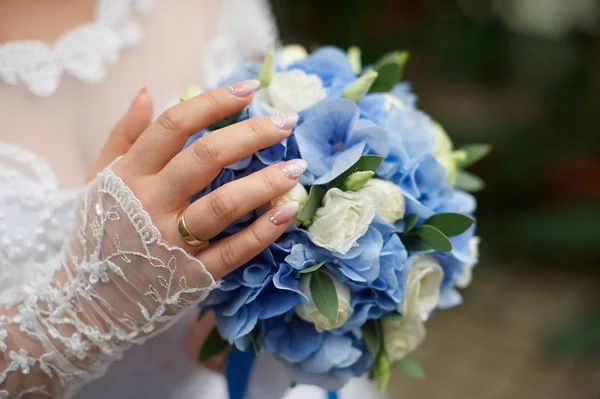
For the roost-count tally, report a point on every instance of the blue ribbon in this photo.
(239, 367)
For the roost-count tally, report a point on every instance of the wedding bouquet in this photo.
(384, 235)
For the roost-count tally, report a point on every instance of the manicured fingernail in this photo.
(283, 213)
(244, 88)
(285, 121)
(142, 91)
(294, 168)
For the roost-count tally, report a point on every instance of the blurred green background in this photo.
(523, 75)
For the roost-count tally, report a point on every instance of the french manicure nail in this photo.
(244, 88)
(293, 169)
(283, 213)
(285, 121)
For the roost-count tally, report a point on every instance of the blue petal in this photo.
(343, 162)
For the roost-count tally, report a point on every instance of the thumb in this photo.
(126, 131)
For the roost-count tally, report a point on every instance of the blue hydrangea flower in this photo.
(360, 264)
(333, 67)
(403, 91)
(385, 294)
(264, 288)
(325, 359)
(331, 138)
(374, 269)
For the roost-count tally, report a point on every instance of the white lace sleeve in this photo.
(118, 284)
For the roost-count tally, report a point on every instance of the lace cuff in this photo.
(119, 283)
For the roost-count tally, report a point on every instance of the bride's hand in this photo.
(137, 119)
(164, 178)
(119, 280)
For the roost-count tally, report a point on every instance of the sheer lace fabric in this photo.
(178, 42)
(119, 283)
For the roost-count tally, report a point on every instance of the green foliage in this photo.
(410, 221)
(355, 57)
(324, 295)
(472, 153)
(192, 91)
(213, 345)
(365, 163)
(450, 224)
(267, 71)
(390, 69)
(469, 182)
(359, 89)
(410, 367)
(434, 238)
(254, 339)
(357, 180)
(372, 335)
(312, 268)
(382, 371)
(227, 121)
(313, 202)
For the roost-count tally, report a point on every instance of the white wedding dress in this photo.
(57, 105)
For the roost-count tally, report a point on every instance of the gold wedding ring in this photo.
(185, 232)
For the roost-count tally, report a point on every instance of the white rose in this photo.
(311, 314)
(291, 91)
(342, 219)
(465, 279)
(298, 193)
(291, 53)
(422, 287)
(401, 336)
(387, 199)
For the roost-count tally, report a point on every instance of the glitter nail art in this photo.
(294, 169)
(284, 121)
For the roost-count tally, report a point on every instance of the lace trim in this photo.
(119, 284)
(84, 52)
(116, 187)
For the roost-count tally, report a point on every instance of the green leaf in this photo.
(382, 371)
(324, 295)
(355, 56)
(410, 221)
(365, 163)
(267, 70)
(313, 202)
(473, 153)
(435, 238)
(312, 268)
(414, 243)
(227, 121)
(254, 339)
(390, 69)
(372, 335)
(213, 345)
(410, 367)
(468, 181)
(451, 224)
(357, 179)
(393, 316)
(359, 89)
(193, 90)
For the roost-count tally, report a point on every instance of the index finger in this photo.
(166, 136)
